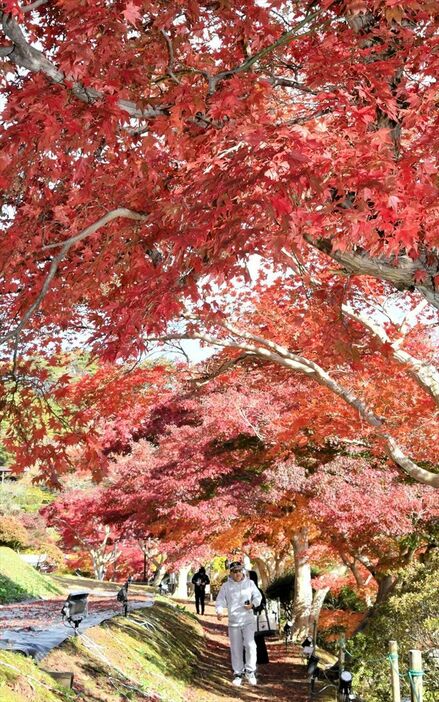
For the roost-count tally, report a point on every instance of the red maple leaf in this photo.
(420, 276)
(131, 13)
(281, 204)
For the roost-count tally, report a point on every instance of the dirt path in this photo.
(282, 680)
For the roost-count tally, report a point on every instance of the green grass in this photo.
(153, 652)
(20, 581)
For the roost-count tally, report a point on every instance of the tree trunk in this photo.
(181, 589)
(386, 585)
(98, 567)
(317, 603)
(302, 584)
(263, 572)
(161, 570)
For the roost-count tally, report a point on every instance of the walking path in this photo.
(282, 680)
(35, 628)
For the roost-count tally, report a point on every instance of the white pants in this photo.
(243, 637)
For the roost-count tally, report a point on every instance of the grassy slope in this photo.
(20, 581)
(152, 651)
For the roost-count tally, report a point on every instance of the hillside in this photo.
(20, 581)
(151, 655)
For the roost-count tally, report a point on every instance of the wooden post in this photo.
(341, 653)
(394, 671)
(341, 661)
(415, 675)
(314, 633)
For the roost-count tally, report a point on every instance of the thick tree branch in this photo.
(26, 56)
(425, 374)
(32, 6)
(400, 275)
(268, 352)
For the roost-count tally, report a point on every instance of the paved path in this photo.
(282, 680)
(35, 628)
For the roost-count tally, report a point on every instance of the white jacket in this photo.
(233, 596)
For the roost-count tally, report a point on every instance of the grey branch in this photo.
(400, 274)
(65, 246)
(425, 374)
(32, 6)
(171, 73)
(271, 352)
(26, 56)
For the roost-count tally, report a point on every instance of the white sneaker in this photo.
(237, 680)
(251, 679)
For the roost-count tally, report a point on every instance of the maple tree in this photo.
(76, 518)
(151, 145)
(246, 461)
(386, 372)
(376, 531)
(58, 411)
(149, 149)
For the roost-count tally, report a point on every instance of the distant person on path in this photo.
(239, 595)
(165, 583)
(200, 580)
(261, 646)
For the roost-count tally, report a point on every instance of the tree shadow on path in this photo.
(282, 680)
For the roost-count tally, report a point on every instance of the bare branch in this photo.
(290, 83)
(65, 246)
(32, 6)
(171, 73)
(285, 38)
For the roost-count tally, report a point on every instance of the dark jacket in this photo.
(200, 580)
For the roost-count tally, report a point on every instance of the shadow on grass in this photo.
(78, 582)
(10, 591)
(171, 643)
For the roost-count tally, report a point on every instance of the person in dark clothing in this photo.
(261, 646)
(200, 580)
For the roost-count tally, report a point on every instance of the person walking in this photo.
(239, 595)
(200, 580)
(261, 646)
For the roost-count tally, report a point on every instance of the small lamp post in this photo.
(122, 596)
(312, 670)
(75, 609)
(288, 631)
(345, 686)
(307, 647)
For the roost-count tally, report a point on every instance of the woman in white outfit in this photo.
(238, 595)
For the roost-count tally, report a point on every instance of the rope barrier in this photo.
(392, 657)
(411, 675)
(96, 648)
